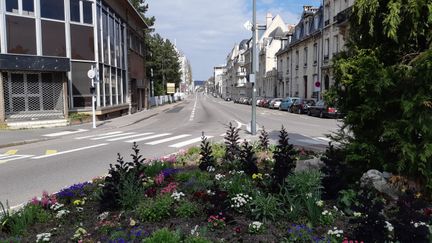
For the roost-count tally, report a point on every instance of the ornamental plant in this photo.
(284, 160)
(207, 160)
(256, 227)
(264, 140)
(232, 143)
(248, 159)
(240, 201)
(155, 209)
(216, 221)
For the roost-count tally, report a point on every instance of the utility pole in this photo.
(254, 69)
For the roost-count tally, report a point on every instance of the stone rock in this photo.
(310, 164)
(377, 180)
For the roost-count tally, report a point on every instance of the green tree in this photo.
(141, 6)
(383, 85)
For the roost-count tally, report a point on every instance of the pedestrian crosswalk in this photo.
(11, 157)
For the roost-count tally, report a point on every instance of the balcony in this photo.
(241, 61)
(241, 74)
(342, 18)
(327, 22)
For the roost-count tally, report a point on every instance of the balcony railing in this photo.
(327, 22)
(280, 75)
(343, 17)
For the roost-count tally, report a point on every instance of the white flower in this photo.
(211, 169)
(43, 237)
(56, 206)
(320, 203)
(357, 214)
(335, 232)
(218, 177)
(326, 212)
(103, 216)
(389, 226)
(62, 213)
(177, 195)
(209, 192)
(308, 195)
(194, 231)
(240, 200)
(79, 209)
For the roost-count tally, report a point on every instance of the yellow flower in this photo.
(418, 195)
(78, 202)
(257, 176)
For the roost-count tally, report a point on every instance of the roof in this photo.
(136, 12)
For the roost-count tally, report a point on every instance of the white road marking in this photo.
(112, 136)
(323, 138)
(4, 159)
(223, 135)
(310, 141)
(239, 124)
(57, 134)
(168, 139)
(130, 136)
(187, 142)
(148, 138)
(98, 135)
(70, 151)
(192, 116)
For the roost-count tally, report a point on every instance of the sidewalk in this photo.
(9, 138)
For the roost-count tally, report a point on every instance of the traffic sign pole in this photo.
(91, 74)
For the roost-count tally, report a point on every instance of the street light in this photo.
(254, 68)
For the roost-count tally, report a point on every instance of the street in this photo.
(76, 154)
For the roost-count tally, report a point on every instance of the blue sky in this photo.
(206, 30)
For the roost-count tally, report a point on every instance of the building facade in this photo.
(47, 47)
(218, 74)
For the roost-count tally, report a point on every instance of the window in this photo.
(326, 48)
(12, 6)
(335, 44)
(82, 41)
(52, 9)
(315, 53)
(21, 34)
(28, 7)
(111, 38)
(75, 10)
(87, 12)
(53, 38)
(305, 58)
(105, 36)
(297, 59)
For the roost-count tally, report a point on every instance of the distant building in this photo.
(218, 75)
(47, 47)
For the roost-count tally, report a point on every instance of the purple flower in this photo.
(77, 190)
(169, 172)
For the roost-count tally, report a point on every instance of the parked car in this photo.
(287, 102)
(275, 103)
(228, 98)
(321, 109)
(301, 106)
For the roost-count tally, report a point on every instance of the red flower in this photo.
(427, 212)
(237, 229)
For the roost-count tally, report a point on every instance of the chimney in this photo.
(269, 19)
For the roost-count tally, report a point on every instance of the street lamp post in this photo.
(254, 69)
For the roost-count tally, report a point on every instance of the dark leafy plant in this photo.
(284, 160)
(266, 208)
(187, 209)
(164, 235)
(155, 209)
(207, 160)
(410, 223)
(232, 143)
(371, 227)
(248, 159)
(122, 176)
(264, 139)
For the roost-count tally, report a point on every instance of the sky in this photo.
(207, 30)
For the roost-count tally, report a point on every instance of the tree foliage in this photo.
(384, 86)
(164, 61)
(284, 159)
(141, 6)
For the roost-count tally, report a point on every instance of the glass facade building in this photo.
(47, 47)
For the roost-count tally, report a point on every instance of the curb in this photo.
(24, 142)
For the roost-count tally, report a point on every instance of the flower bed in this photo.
(235, 197)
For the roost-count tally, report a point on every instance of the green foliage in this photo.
(196, 239)
(264, 140)
(232, 143)
(16, 224)
(207, 160)
(194, 181)
(142, 7)
(284, 159)
(187, 209)
(218, 151)
(163, 60)
(155, 209)
(131, 192)
(265, 207)
(238, 183)
(154, 168)
(78, 116)
(248, 159)
(122, 179)
(383, 87)
(164, 235)
(347, 199)
(193, 150)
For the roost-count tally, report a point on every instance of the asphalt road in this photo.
(78, 154)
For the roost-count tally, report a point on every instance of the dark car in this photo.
(321, 109)
(228, 98)
(301, 106)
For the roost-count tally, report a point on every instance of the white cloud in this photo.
(206, 30)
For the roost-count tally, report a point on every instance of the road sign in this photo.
(317, 84)
(91, 74)
(170, 88)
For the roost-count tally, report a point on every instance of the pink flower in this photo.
(159, 178)
(170, 188)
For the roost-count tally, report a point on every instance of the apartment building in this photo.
(218, 74)
(47, 47)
